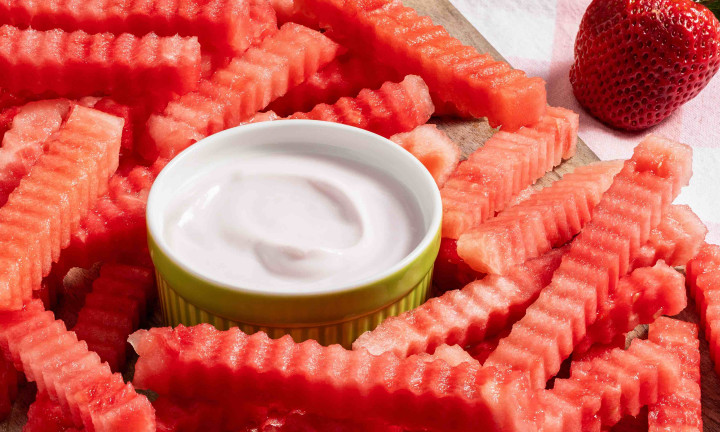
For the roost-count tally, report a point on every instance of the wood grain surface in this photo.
(470, 135)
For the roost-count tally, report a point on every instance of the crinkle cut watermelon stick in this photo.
(547, 219)
(615, 383)
(706, 260)
(247, 85)
(599, 256)
(640, 298)
(25, 141)
(455, 73)
(48, 204)
(114, 309)
(131, 115)
(78, 64)
(453, 313)
(220, 25)
(114, 230)
(508, 162)
(345, 76)
(226, 367)
(464, 317)
(433, 148)
(393, 108)
(676, 240)
(71, 375)
(703, 276)
(681, 410)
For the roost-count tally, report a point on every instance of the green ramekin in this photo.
(339, 315)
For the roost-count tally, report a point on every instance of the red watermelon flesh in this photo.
(298, 421)
(78, 64)
(508, 162)
(433, 148)
(601, 391)
(115, 229)
(598, 257)
(71, 375)
(572, 120)
(290, 11)
(703, 274)
(114, 309)
(464, 317)
(262, 117)
(455, 73)
(482, 350)
(637, 423)
(392, 109)
(200, 361)
(707, 259)
(175, 414)
(454, 355)
(676, 240)
(549, 218)
(682, 409)
(220, 25)
(26, 140)
(49, 202)
(187, 416)
(450, 271)
(125, 112)
(45, 415)
(6, 118)
(345, 76)
(247, 85)
(10, 100)
(640, 298)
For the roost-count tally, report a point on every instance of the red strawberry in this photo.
(637, 61)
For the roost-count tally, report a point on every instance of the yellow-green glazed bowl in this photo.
(337, 315)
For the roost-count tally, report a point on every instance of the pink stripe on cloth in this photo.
(549, 27)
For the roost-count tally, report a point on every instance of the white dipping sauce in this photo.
(292, 222)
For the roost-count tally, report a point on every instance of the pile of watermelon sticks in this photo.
(95, 99)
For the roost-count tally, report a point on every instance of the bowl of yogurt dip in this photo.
(307, 228)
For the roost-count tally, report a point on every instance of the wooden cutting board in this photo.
(470, 135)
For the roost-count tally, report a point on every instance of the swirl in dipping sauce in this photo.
(287, 222)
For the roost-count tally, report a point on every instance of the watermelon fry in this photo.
(621, 223)
(48, 204)
(455, 73)
(222, 26)
(491, 176)
(236, 92)
(79, 64)
(328, 381)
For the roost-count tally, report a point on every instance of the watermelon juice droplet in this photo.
(285, 222)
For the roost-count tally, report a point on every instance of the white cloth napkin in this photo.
(538, 36)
